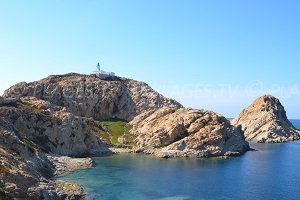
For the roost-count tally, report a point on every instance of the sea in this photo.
(271, 172)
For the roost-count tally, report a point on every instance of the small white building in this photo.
(103, 74)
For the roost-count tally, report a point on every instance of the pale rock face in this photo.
(29, 127)
(25, 171)
(172, 132)
(21, 166)
(90, 96)
(54, 130)
(265, 121)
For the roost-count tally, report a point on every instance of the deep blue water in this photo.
(271, 173)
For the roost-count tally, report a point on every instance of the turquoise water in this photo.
(272, 172)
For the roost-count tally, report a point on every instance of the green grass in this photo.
(105, 136)
(116, 129)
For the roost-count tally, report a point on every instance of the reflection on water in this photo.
(272, 172)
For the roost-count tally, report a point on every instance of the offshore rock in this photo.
(265, 121)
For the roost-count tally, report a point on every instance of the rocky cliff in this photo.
(265, 121)
(90, 96)
(51, 127)
(172, 132)
(29, 128)
(62, 115)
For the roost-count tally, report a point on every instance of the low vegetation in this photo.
(116, 133)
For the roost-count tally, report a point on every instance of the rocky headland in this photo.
(83, 115)
(265, 121)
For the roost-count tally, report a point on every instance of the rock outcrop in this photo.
(29, 128)
(90, 96)
(25, 172)
(57, 115)
(51, 128)
(265, 121)
(172, 132)
(61, 115)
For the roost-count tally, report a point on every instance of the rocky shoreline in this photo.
(51, 127)
(65, 164)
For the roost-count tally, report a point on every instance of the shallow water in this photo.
(272, 172)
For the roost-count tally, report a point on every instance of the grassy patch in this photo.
(116, 129)
(105, 136)
(2, 194)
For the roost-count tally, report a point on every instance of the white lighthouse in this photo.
(98, 71)
(102, 74)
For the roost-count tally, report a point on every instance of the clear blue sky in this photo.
(218, 55)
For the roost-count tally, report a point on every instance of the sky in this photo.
(217, 55)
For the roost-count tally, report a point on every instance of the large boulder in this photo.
(265, 121)
(90, 96)
(172, 132)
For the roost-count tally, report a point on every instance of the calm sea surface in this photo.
(271, 173)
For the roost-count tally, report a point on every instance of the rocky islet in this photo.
(265, 121)
(58, 116)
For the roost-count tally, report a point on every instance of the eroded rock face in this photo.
(29, 127)
(265, 121)
(172, 132)
(55, 131)
(25, 171)
(89, 96)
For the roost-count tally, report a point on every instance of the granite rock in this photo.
(265, 121)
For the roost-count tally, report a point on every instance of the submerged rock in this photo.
(265, 121)
(171, 132)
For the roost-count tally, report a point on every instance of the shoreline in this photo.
(64, 165)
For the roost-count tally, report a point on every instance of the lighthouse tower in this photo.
(103, 74)
(98, 71)
(98, 67)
